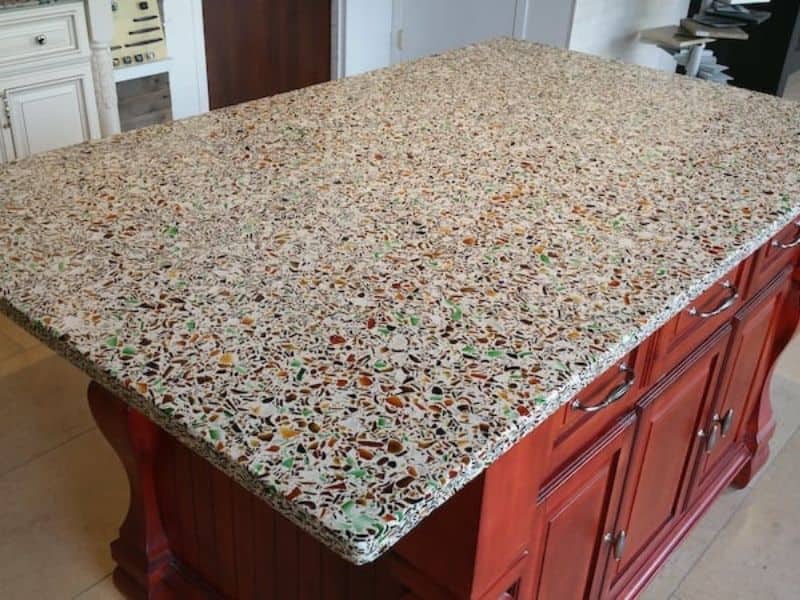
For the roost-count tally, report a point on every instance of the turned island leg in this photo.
(761, 425)
(142, 550)
(192, 533)
(760, 430)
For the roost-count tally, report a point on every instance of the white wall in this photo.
(369, 28)
(603, 27)
(610, 27)
(549, 22)
(368, 35)
(434, 26)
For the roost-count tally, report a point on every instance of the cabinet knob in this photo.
(618, 541)
(41, 39)
(712, 437)
(727, 422)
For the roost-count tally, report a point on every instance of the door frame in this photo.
(338, 37)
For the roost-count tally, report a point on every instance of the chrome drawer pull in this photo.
(41, 39)
(726, 304)
(616, 394)
(790, 245)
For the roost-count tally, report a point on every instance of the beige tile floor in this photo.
(63, 494)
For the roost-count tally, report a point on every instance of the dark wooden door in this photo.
(661, 461)
(578, 509)
(746, 370)
(257, 48)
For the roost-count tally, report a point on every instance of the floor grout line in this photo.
(46, 452)
(748, 491)
(713, 540)
(92, 586)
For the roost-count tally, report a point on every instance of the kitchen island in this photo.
(494, 324)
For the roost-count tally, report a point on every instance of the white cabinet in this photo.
(48, 95)
(49, 111)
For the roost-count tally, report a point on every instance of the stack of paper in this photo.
(723, 14)
(697, 29)
(710, 69)
(721, 19)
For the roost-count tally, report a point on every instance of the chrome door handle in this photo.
(725, 305)
(618, 541)
(615, 395)
(727, 422)
(712, 437)
(41, 39)
(792, 244)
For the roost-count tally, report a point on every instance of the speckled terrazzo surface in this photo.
(355, 297)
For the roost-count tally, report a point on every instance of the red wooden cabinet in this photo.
(665, 443)
(588, 505)
(745, 373)
(579, 510)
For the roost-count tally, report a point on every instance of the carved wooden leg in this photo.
(142, 551)
(762, 424)
(760, 431)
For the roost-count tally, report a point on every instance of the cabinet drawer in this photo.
(590, 414)
(781, 251)
(687, 330)
(42, 33)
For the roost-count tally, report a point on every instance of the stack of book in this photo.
(724, 19)
(716, 20)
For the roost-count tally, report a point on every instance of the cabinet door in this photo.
(578, 509)
(55, 111)
(746, 370)
(267, 47)
(660, 466)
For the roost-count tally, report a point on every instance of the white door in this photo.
(58, 110)
(425, 27)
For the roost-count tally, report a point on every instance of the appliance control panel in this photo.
(138, 33)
